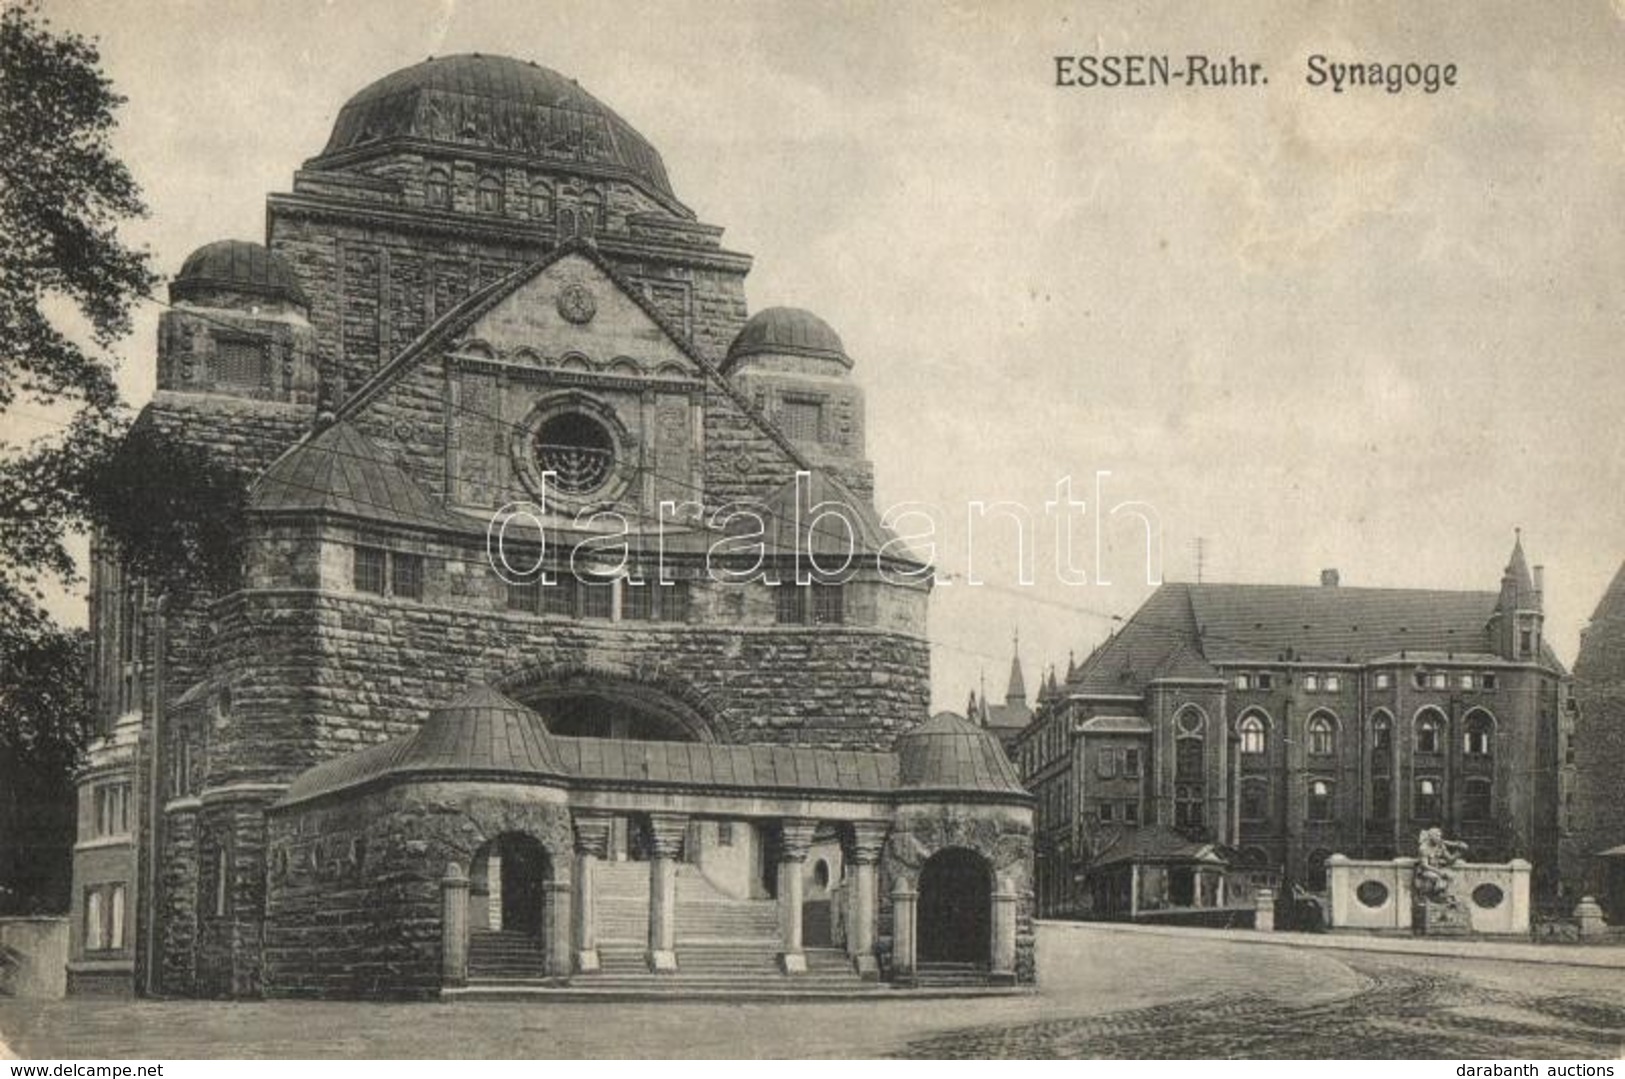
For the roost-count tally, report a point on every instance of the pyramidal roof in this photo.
(339, 470)
(1524, 596)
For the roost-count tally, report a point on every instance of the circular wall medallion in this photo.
(1373, 893)
(1488, 896)
(576, 303)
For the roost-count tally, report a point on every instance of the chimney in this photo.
(1329, 578)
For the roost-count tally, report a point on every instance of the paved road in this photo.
(1106, 994)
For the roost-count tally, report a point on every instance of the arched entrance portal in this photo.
(508, 915)
(955, 917)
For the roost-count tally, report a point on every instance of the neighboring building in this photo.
(1006, 721)
(1272, 726)
(1598, 751)
(379, 766)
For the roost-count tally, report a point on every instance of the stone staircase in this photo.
(938, 975)
(726, 947)
(497, 955)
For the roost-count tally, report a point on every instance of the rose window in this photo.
(577, 450)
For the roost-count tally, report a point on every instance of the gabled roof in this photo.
(1157, 845)
(339, 470)
(455, 323)
(1184, 631)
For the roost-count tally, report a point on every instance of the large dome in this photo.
(499, 103)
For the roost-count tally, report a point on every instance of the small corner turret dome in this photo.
(240, 267)
(949, 753)
(787, 331)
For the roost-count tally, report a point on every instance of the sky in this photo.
(1370, 331)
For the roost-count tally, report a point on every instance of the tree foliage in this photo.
(63, 195)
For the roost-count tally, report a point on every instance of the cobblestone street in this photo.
(1105, 994)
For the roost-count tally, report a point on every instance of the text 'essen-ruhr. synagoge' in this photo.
(1235, 736)
(375, 766)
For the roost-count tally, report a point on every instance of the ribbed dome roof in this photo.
(949, 753)
(787, 330)
(237, 266)
(499, 103)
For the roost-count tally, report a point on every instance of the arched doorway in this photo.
(508, 907)
(955, 913)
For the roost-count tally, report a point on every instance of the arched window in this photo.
(1320, 799)
(1251, 729)
(1429, 725)
(488, 195)
(1477, 800)
(1382, 731)
(1427, 798)
(1189, 788)
(1478, 734)
(437, 189)
(1255, 798)
(1322, 736)
(541, 202)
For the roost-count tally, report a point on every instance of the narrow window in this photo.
(1382, 798)
(1311, 683)
(1428, 726)
(1427, 798)
(1131, 813)
(115, 916)
(1255, 799)
(1131, 764)
(1265, 681)
(792, 604)
(1105, 763)
(95, 920)
(369, 570)
(829, 604)
(1487, 681)
(1334, 683)
(1477, 735)
(597, 599)
(1476, 800)
(725, 833)
(524, 595)
(1244, 681)
(437, 189)
(1106, 815)
(222, 880)
(408, 569)
(1384, 680)
(488, 195)
(1322, 737)
(559, 598)
(541, 202)
(1252, 735)
(673, 601)
(1464, 681)
(1320, 800)
(1381, 733)
(637, 601)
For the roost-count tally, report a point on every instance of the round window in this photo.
(577, 450)
(1488, 896)
(1373, 893)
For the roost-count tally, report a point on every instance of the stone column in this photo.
(1004, 934)
(556, 927)
(796, 837)
(1264, 910)
(665, 844)
(1588, 912)
(454, 926)
(592, 844)
(868, 839)
(1519, 895)
(903, 901)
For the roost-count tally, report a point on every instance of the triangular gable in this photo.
(459, 323)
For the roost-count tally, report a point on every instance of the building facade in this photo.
(1261, 729)
(1598, 819)
(554, 561)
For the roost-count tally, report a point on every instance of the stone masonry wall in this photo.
(353, 904)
